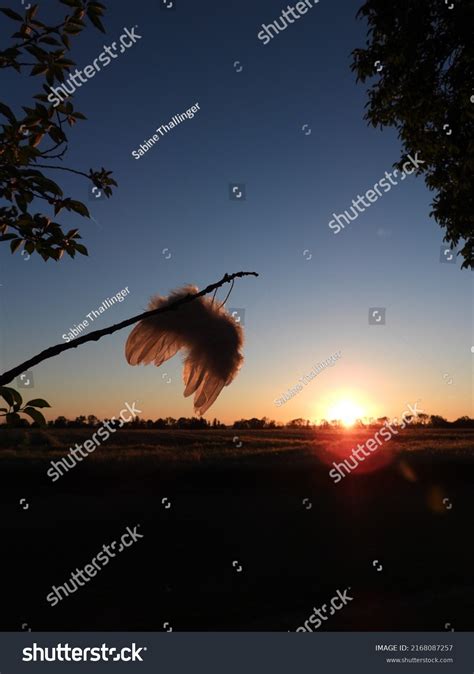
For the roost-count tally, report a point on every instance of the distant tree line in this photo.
(425, 420)
(91, 421)
(428, 420)
(199, 423)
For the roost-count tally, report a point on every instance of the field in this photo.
(266, 506)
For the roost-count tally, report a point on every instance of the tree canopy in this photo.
(33, 143)
(422, 53)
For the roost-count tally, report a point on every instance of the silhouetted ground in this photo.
(242, 505)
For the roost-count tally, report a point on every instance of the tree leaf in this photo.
(50, 40)
(48, 185)
(37, 402)
(79, 207)
(81, 249)
(72, 29)
(14, 245)
(39, 69)
(11, 14)
(12, 418)
(35, 415)
(5, 110)
(95, 20)
(11, 396)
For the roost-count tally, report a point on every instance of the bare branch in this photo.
(63, 168)
(52, 351)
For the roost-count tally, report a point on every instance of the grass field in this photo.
(409, 509)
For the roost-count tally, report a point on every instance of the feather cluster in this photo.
(207, 333)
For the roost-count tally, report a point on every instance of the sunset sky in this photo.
(248, 130)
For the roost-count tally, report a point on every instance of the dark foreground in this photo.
(239, 508)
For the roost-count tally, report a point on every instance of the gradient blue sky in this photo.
(299, 311)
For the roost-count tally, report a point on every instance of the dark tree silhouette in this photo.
(425, 91)
(438, 422)
(34, 142)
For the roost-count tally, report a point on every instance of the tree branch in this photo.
(52, 351)
(51, 29)
(63, 168)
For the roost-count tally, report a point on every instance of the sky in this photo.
(315, 288)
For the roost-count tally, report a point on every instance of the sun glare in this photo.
(346, 411)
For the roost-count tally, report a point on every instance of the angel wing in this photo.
(207, 333)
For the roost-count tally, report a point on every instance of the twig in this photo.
(63, 168)
(227, 296)
(52, 351)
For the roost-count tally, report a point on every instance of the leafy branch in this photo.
(16, 407)
(424, 91)
(22, 137)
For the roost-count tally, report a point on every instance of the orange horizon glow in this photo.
(346, 411)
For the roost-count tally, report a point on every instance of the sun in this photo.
(346, 411)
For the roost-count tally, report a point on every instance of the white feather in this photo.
(209, 335)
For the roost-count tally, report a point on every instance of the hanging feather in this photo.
(209, 335)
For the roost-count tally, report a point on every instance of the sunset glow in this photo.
(345, 411)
